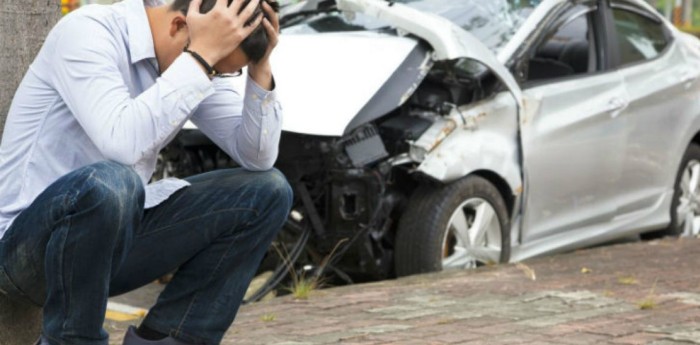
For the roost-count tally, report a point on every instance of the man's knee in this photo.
(275, 185)
(112, 185)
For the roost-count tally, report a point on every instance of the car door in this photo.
(573, 136)
(659, 83)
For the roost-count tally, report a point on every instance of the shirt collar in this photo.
(140, 36)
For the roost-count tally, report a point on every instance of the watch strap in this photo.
(211, 72)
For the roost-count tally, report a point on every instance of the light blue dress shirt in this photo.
(93, 93)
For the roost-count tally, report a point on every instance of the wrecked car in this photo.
(439, 134)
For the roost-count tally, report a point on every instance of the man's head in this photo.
(255, 45)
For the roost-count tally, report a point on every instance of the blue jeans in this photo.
(87, 237)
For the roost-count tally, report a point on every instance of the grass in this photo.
(268, 317)
(627, 280)
(648, 302)
(302, 286)
(529, 272)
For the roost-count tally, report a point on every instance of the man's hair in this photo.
(255, 45)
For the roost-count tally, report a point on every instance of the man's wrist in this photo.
(208, 69)
(208, 56)
(262, 74)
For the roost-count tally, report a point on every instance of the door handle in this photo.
(616, 106)
(687, 78)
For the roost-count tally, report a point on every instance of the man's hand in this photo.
(217, 33)
(261, 72)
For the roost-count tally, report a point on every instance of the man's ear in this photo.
(178, 23)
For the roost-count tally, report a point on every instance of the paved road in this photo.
(640, 293)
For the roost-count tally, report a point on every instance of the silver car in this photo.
(436, 134)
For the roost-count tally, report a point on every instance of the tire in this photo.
(685, 211)
(425, 243)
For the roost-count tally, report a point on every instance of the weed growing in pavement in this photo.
(529, 272)
(268, 317)
(302, 286)
(627, 280)
(649, 302)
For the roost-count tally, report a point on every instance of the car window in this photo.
(568, 50)
(640, 38)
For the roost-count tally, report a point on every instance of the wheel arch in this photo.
(696, 139)
(502, 185)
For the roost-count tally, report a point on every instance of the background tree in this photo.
(23, 26)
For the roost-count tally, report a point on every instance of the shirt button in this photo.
(265, 131)
(255, 97)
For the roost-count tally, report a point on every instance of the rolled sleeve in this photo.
(248, 128)
(123, 127)
(263, 105)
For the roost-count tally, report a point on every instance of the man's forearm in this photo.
(262, 75)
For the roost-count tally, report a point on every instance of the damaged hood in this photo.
(323, 81)
(330, 83)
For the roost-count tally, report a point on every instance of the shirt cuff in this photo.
(255, 89)
(263, 101)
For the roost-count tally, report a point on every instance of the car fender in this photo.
(484, 138)
(485, 135)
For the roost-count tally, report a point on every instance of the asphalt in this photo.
(637, 293)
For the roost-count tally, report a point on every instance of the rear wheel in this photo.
(461, 225)
(685, 212)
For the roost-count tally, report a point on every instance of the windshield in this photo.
(494, 22)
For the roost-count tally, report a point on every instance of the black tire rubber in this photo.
(675, 228)
(421, 230)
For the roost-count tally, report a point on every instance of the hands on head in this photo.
(227, 25)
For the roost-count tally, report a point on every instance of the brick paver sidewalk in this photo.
(641, 293)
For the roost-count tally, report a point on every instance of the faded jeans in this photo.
(87, 237)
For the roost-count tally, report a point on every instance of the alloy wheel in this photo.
(688, 211)
(473, 236)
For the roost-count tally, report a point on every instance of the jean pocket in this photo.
(8, 287)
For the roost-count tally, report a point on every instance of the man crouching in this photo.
(111, 86)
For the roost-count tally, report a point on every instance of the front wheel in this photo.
(461, 225)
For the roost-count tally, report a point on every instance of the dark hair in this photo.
(255, 45)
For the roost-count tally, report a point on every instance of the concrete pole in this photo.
(23, 27)
(687, 13)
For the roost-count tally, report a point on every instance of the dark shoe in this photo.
(131, 338)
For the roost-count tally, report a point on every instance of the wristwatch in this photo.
(211, 72)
